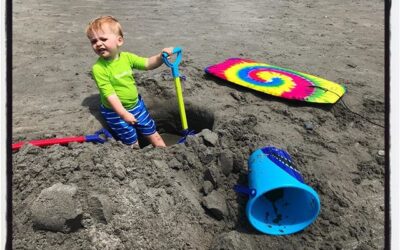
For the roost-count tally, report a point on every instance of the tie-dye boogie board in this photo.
(277, 81)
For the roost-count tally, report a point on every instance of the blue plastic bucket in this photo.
(280, 202)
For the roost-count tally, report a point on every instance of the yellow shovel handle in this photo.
(181, 104)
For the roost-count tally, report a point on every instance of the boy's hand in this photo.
(168, 50)
(156, 60)
(120, 110)
(129, 118)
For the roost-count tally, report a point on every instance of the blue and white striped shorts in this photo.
(145, 125)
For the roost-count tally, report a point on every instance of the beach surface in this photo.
(108, 196)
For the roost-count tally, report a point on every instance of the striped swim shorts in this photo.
(127, 133)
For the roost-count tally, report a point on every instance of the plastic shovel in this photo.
(98, 137)
(175, 74)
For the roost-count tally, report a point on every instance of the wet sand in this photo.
(156, 198)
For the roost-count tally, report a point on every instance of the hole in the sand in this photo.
(166, 115)
(74, 224)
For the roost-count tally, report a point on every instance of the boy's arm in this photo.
(156, 60)
(120, 110)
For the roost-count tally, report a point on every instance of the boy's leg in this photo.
(135, 146)
(156, 140)
(146, 125)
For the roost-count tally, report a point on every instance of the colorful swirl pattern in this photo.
(277, 81)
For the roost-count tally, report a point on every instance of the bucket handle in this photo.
(245, 190)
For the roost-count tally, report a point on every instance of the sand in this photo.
(107, 196)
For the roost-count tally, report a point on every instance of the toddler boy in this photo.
(121, 105)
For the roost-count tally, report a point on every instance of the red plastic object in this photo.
(48, 142)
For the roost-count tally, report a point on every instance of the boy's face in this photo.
(105, 43)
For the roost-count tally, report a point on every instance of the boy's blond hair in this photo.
(98, 23)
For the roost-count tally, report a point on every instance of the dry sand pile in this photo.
(107, 196)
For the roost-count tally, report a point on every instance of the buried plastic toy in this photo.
(99, 136)
(175, 74)
(279, 202)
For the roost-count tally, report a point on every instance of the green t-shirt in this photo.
(116, 77)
